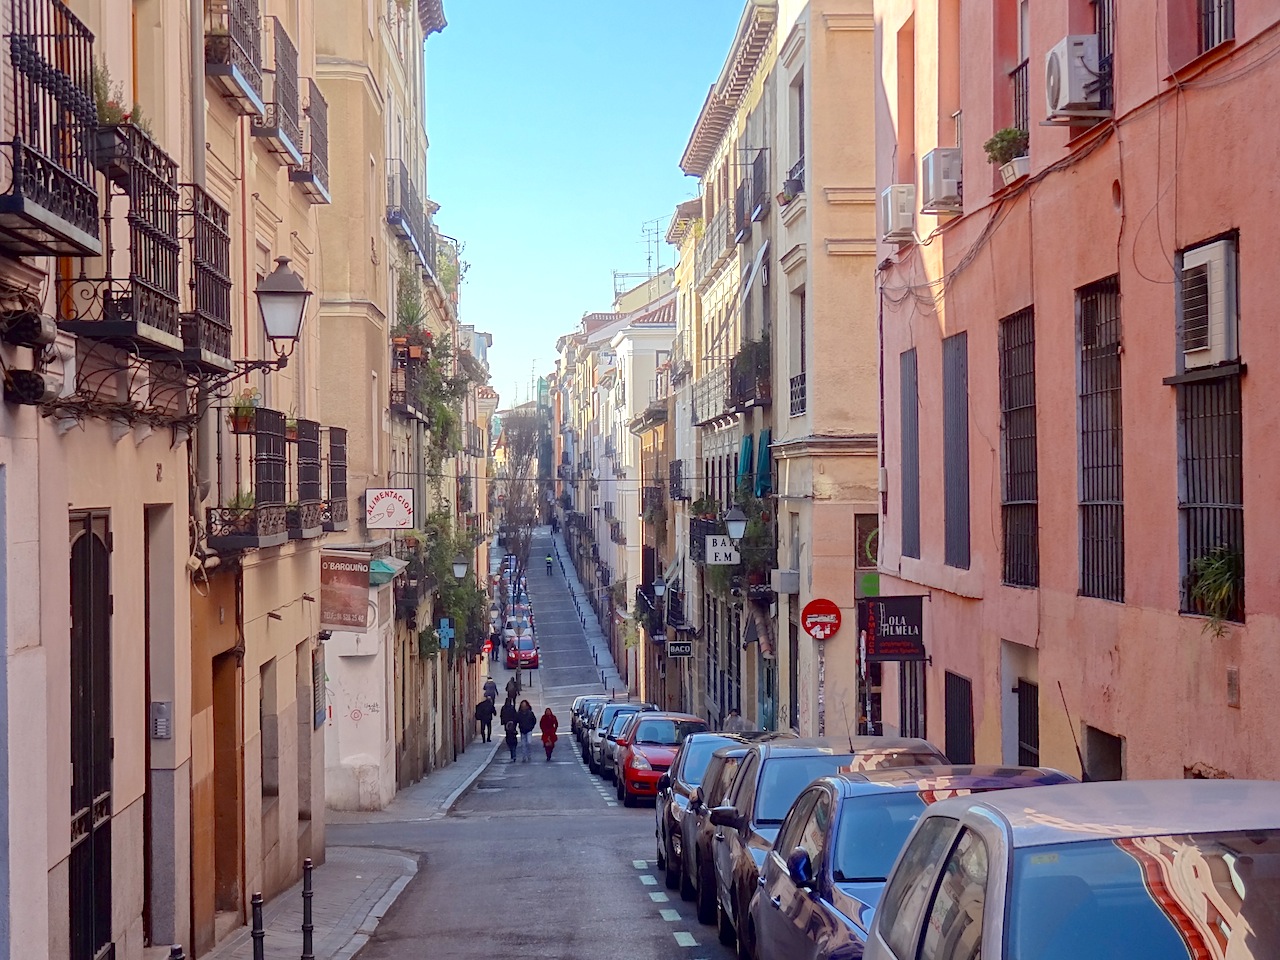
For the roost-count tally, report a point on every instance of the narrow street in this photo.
(537, 859)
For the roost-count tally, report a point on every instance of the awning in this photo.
(744, 459)
(754, 269)
(764, 471)
(668, 575)
(384, 570)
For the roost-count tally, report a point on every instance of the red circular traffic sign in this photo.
(820, 618)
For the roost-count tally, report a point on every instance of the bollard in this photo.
(175, 952)
(256, 931)
(307, 925)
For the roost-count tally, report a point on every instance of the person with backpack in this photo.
(508, 718)
(513, 690)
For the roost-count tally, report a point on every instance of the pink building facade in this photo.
(1077, 462)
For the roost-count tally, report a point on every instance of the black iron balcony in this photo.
(710, 394)
(304, 513)
(130, 297)
(799, 395)
(313, 175)
(651, 499)
(796, 174)
(405, 212)
(233, 53)
(751, 376)
(742, 210)
(760, 185)
(714, 246)
(699, 529)
(610, 447)
(334, 517)
(405, 381)
(252, 466)
(279, 125)
(206, 326)
(51, 205)
(675, 478)
(617, 533)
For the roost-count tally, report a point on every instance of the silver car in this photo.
(1139, 870)
(596, 735)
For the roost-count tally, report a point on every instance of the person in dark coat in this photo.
(491, 692)
(508, 714)
(526, 721)
(512, 737)
(484, 713)
(548, 725)
(513, 689)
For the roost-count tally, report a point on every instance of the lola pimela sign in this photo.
(892, 628)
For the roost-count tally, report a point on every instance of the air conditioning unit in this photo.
(785, 581)
(1071, 81)
(1208, 305)
(940, 181)
(898, 212)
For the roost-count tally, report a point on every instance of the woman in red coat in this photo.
(548, 725)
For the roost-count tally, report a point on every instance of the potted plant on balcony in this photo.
(704, 508)
(1215, 587)
(291, 427)
(239, 512)
(1008, 148)
(243, 410)
(111, 149)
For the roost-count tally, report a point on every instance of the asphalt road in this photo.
(538, 859)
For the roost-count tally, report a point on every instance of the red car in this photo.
(646, 748)
(522, 652)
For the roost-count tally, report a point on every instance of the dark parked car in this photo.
(823, 878)
(593, 743)
(772, 775)
(580, 711)
(697, 860)
(672, 802)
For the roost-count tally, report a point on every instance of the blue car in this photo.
(823, 877)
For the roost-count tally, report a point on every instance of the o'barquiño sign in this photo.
(388, 508)
(891, 628)
(344, 590)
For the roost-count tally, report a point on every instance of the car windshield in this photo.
(698, 756)
(871, 832)
(782, 779)
(618, 722)
(1171, 897)
(524, 643)
(666, 732)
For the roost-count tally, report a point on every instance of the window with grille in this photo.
(959, 718)
(1217, 22)
(1211, 497)
(1104, 29)
(910, 454)
(1020, 481)
(1101, 442)
(955, 449)
(1028, 695)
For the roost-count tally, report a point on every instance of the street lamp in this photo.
(459, 566)
(282, 303)
(735, 522)
(659, 587)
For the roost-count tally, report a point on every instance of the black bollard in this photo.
(175, 952)
(307, 926)
(256, 931)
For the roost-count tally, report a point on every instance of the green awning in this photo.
(384, 570)
(764, 468)
(744, 460)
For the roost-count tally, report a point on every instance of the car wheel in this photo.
(687, 890)
(617, 790)
(662, 858)
(706, 897)
(746, 937)
(627, 799)
(672, 875)
(592, 765)
(724, 927)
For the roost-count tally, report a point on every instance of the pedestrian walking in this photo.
(512, 735)
(484, 713)
(526, 721)
(548, 725)
(549, 562)
(734, 723)
(491, 691)
(513, 689)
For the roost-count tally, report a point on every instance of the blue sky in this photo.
(556, 133)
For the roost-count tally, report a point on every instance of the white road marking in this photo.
(685, 939)
(670, 915)
(659, 897)
(640, 864)
(648, 879)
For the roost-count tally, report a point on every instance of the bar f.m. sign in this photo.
(892, 628)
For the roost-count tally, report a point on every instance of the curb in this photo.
(370, 923)
(451, 800)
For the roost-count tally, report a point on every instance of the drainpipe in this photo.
(204, 435)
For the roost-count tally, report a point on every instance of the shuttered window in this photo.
(1020, 479)
(959, 718)
(955, 448)
(1101, 442)
(910, 455)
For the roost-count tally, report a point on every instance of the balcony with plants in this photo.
(334, 470)
(130, 295)
(305, 509)
(280, 126)
(757, 551)
(751, 376)
(312, 175)
(233, 53)
(50, 206)
(206, 324)
(252, 477)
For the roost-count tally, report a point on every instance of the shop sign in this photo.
(388, 508)
(344, 590)
(721, 552)
(891, 628)
(679, 648)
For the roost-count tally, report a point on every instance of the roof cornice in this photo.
(754, 30)
(431, 14)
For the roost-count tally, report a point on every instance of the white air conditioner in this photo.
(1071, 81)
(1208, 305)
(785, 581)
(898, 212)
(940, 181)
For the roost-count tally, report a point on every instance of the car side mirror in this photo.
(725, 817)
(800, 867)
(664, 782)
(695, 798)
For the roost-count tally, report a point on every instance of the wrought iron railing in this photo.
(206, 326)
(750, 376)
(675, 478)
(759, 184)
(280, 124)
(405, 212)
(313, 173)
(651, 498)
(710, 392)
(1021, 102)
(1104, 26)
(334, 517)
(799, 395)
(714, 244)
(142, 308)
(610, 446)
(742, 209)
(51, 205)
(797, 172)
(304, 513)
(699, 529)
(252, 471)
(233, 52)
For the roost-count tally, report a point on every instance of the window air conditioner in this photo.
(1071, 81)
(1208, 305)
(898, 212)
(940, 181)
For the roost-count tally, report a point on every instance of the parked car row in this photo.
(834, 849)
